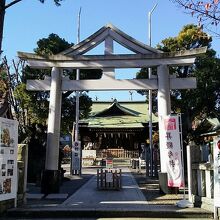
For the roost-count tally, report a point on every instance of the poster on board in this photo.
(8, 158)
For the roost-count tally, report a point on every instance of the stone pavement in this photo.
(89, 198)
(90, 202)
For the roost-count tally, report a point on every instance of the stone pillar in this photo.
(22, 161)
(109, 73)
(164, 109)
(51, 175)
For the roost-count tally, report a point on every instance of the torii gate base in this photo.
(75, 58)
(50, 181)
(163, 183)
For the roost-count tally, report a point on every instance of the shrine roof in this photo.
(129, 114)
(207, 127)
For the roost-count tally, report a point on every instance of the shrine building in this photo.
(117, 127)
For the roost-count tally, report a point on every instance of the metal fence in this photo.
(117, 153)
(109, 179)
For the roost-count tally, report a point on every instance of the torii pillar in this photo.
(51, 175)
(164, 107)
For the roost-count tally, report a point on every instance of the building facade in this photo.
(119, 127)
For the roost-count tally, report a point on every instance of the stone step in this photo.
(150, 212)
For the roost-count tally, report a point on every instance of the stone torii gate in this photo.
(75, 58)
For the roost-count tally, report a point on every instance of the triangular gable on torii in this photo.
(112, 32)
(144, 56)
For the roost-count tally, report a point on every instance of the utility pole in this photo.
(76, 149)
(131, 93)
(150, 96)
(77, 92)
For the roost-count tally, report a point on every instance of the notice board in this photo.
(8, 158)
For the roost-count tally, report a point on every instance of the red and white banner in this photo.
(173, 151)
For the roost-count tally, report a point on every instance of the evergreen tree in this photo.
(204, 101)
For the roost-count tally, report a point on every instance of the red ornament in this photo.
(218, 144)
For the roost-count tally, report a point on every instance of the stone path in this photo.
(88, 197)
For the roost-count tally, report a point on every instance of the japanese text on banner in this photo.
(173, 151)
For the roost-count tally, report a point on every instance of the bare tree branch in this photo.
(206, 12)
(12, 3)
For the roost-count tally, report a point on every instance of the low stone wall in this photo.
(203, 182)
(6, 204)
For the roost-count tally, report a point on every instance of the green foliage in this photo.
(208, 85)
(205, 99)
(85, 105)
(69, 111)
(190, 37)
(3, 83)
(207, 12)
(22, 96)
(37, 104)
(144, 74)
(53, 44)
(3, 75)
(90, 74)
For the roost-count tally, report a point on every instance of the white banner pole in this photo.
(182, 158)
(183, 203)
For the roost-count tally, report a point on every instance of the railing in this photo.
(117, 153)
(202, 184)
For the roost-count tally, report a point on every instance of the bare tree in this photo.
(14, 78)
(207, 12)
(4, 96)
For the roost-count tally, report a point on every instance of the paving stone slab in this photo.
(34, 196)
(57, 196)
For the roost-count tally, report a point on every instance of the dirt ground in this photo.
(150, 188)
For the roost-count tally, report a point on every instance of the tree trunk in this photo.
(4, 105)
(2, 17)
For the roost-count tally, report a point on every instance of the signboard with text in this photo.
(8, 158)
(109, 163)
(172, 150)
(76, 156)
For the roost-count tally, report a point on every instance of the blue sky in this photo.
(29, 21)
